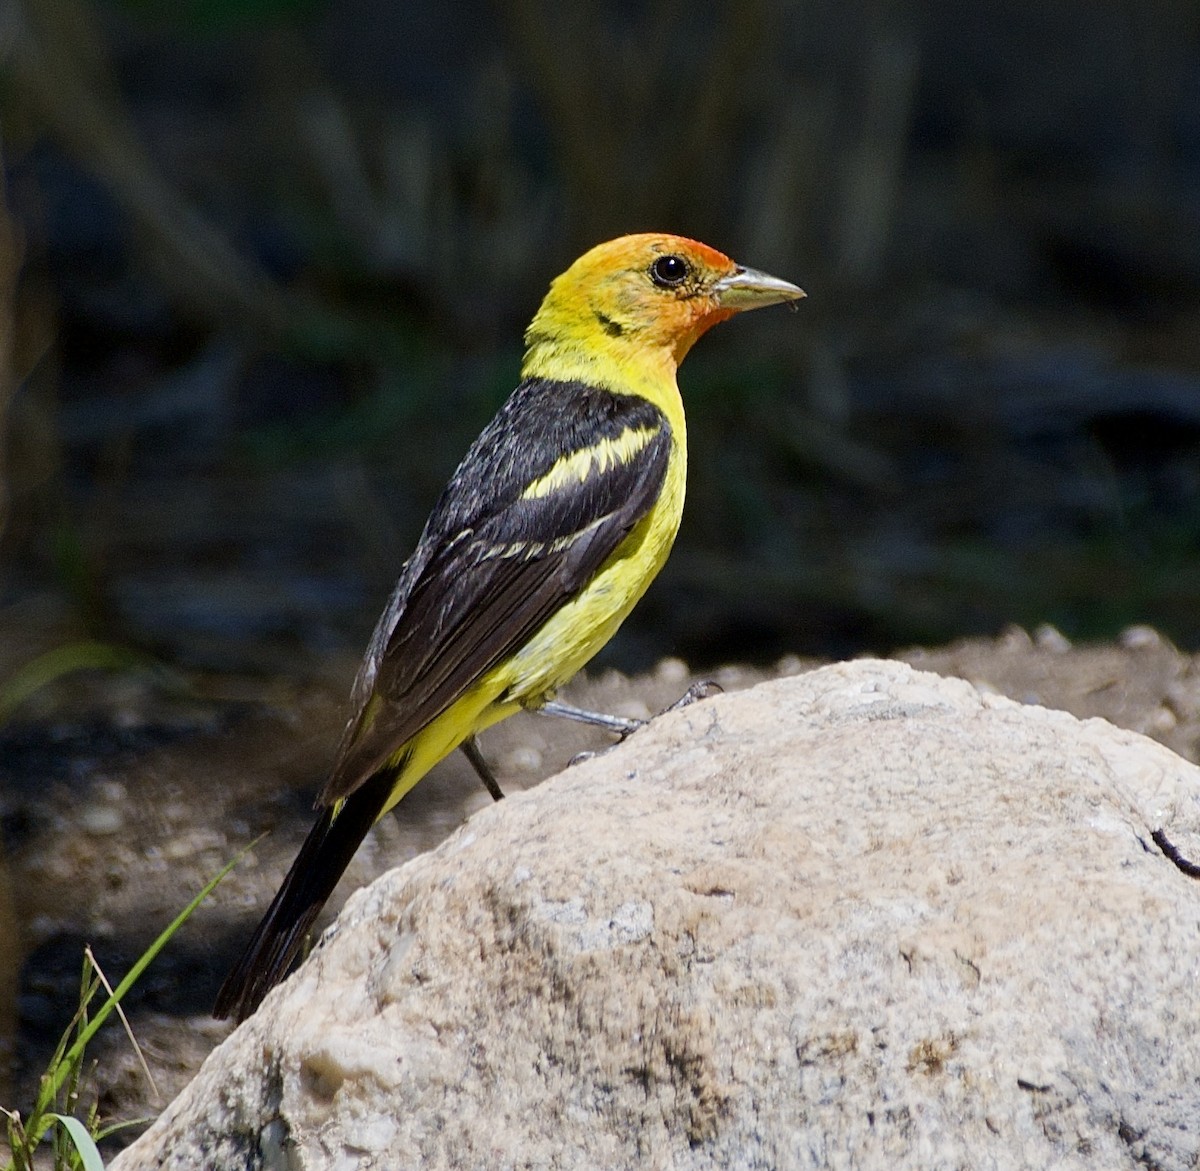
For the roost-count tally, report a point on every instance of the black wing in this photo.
(494, 564)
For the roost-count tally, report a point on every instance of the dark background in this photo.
(264, 270)
(275, 259)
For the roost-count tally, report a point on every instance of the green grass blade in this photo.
(53, 1080)
(82, 1140)
(63, 660)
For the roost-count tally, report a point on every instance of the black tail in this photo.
(322, 860)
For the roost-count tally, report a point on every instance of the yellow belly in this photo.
(577, 631)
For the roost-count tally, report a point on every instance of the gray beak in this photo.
(749, 289)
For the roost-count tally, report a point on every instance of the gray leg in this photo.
(622, 725)
(619, 724)
(482, 768)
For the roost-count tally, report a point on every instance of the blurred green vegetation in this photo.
(275, 259)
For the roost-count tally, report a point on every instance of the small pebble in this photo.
(177, 848)
(789, 665)
(1050, 638)
(112, 791)
(672, 670)
(101, 820)
(524, 759)
(1137, 638)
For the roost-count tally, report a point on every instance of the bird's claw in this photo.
(701, 689)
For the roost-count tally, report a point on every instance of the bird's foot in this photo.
(625, 726)
(701, 689)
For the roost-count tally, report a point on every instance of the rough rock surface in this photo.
(861, 918)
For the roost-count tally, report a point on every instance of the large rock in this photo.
(861, 918)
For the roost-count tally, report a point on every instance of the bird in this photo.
(557, 519)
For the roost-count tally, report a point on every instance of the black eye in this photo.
(669, 271)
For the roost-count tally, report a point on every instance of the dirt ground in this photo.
(122, 793)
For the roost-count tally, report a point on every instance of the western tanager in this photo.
(554, 524)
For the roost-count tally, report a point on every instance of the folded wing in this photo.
(539, 504)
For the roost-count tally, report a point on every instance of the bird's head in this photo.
(641, 302)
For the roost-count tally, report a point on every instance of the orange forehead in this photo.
(641, 249)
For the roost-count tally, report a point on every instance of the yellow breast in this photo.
(578, 630)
